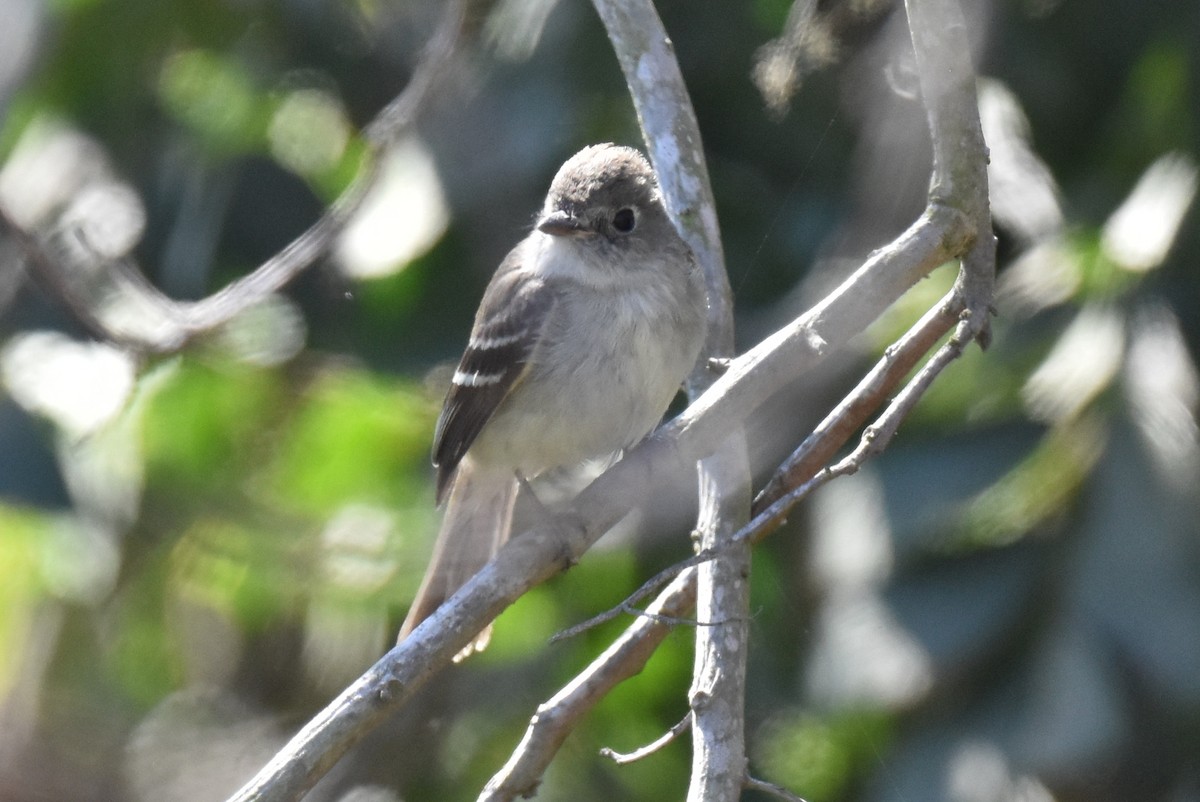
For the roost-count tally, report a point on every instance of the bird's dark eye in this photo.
(624, 220)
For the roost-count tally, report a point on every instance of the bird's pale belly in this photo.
(597, 400)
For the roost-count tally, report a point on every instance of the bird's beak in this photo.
(560, 223)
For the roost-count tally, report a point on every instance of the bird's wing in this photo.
(508, 327)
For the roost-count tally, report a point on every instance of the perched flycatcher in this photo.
(584, 335)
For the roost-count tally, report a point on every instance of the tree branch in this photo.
(182, 321)
(672, 134)
(854, 410)
(753, 784)
(556, 718)
(947, 230)
(873, 441)
(554, 545)
(960, 155)
(662, 741)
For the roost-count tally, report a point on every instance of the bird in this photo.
(582, 339)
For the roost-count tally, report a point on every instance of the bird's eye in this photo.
(624, 220)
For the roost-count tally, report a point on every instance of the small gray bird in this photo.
(584, 335)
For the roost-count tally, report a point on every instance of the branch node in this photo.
(815, 341)
(718, 365)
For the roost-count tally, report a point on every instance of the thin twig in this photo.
(628, 605)
(830, 435)
(667, 620)
(859, 404)
(943, 233)
(876, 437)
(558, 716)
(754, 784)
(622, 758)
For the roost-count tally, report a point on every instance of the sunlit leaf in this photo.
(213, 96)
(817, 757)
(21, 532)
(250, 574)
(355, 437)
(207, 420)
(1042, 486)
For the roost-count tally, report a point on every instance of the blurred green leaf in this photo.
(1103, 279)
(355, 437)
(212, 95)
(254, 576)
(523, 629)
(389, 301)
(21, 533)
(206, 421)
(336, 179)
(1040, 487)
(771, 15)
(140, 656)
(1158, 103)
(600, 582)
(819, 756)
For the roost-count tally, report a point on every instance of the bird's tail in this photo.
(478, 521)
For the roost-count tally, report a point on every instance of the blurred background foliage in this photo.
(198, 551)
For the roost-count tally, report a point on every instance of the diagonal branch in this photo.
(800, 475)
(873, 441)
(948, 229)
(557, 717)
(555, 544)
(854, 410)
(51, 278)
(771, 789)
(968, 303)
(791, 483)
(182, 321)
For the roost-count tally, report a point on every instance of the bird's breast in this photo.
(606, 371)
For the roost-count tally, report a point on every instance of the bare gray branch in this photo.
(955, 224)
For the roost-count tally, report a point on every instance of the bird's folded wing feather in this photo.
(507, 330)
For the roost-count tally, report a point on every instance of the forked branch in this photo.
(954, 226)
(958, 208)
